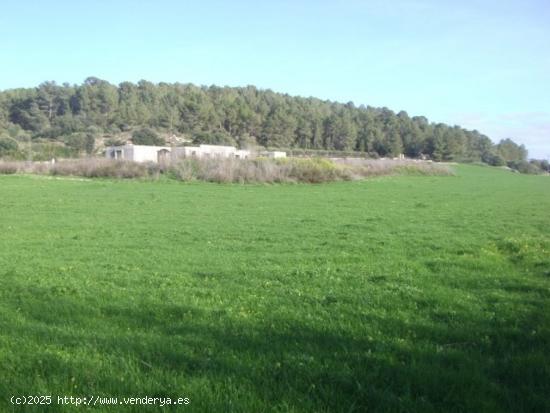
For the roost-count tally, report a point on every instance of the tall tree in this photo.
(243, 115)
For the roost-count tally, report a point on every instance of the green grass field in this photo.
(402, 294)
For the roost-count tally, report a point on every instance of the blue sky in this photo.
(481, 64)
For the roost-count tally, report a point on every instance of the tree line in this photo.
(244, 116)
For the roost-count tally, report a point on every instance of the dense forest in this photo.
(68, 120)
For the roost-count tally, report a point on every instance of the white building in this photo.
(139, 153)
(146, 153)
(274, 154)
(213, 151)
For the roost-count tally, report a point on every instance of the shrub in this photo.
(147, 136)
(317, 170)
(524, 167)
(379, 167)
(259, 170)
(114, 142)
(214, 138)
(7, 168)
(314, 170)
(101, 168)
(494, 159)
(76, 141)
(7, 145)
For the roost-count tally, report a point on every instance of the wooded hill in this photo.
(76, 115)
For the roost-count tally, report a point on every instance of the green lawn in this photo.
(405, 294)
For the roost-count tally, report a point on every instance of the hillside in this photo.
(69, 120)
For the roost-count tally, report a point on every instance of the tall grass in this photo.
(8, 168)
(90, 168)
(259, 170)
(309, 170)
(105, 168)
(377, 167)
(314, 170)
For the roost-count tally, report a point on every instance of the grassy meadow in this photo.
(398, 294)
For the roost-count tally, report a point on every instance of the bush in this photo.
(101, 168)
(214, 138)
(147, 136)
(380, 167)
(76, 141)
(7, 145)
(314, 170)
(259, 170)
(541, 164)
(114, 142)
(8, 168)
(524, 167)
(494, 159)
(317, 170)
(46, 150)
(89, 168)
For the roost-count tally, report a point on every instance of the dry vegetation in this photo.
(90, 168)
(377, 167)
(259, 170)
